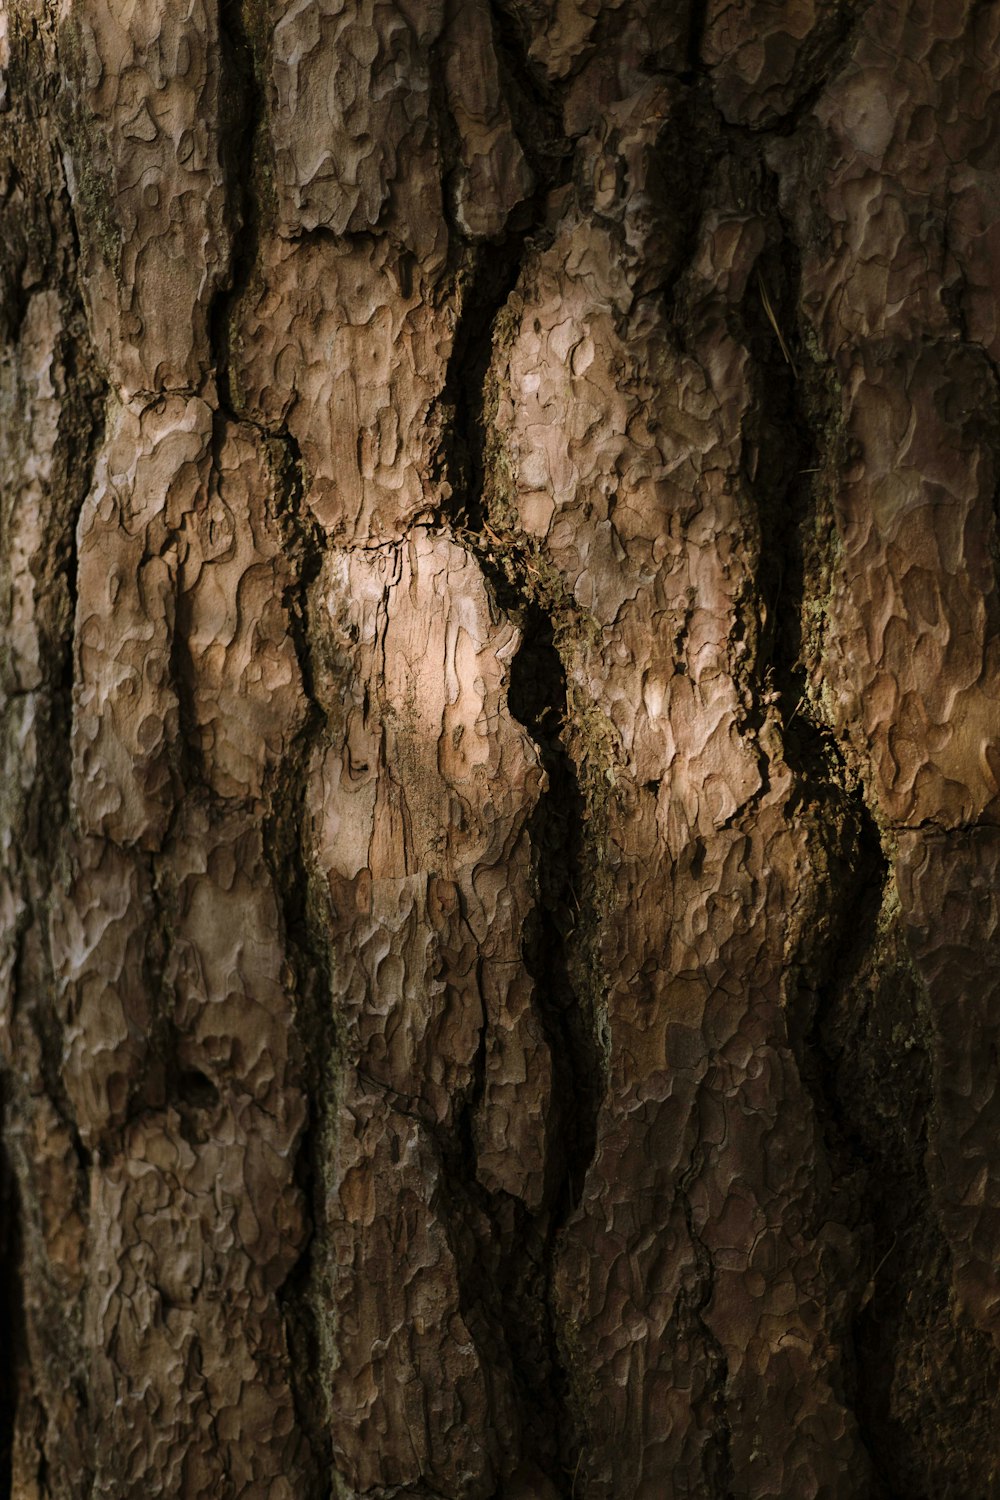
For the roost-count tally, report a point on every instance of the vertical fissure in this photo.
(697, 21)
(308, 948)
(39, 811)
(240, 136)
(284, 832)
(823, 55)
(537, 698)
(536, 107)
(81, 433)
(844, 1020)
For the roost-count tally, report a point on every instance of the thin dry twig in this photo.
(765, 299)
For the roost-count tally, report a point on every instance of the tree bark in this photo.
(499, 954)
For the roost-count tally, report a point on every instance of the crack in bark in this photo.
(865, 1172)
(241, 142)
(309, 952)
(537, 698)
(820, 58)
(36, 812)
(536, 106)
(697, 22)
(307, 946)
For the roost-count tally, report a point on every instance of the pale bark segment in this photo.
(352, 119)
(149, 183)
(356, 122)
(421, 790)
(347, 348)
(178, 1057)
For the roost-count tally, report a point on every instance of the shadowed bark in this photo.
(500, 804)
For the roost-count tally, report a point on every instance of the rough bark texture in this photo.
(500, 820)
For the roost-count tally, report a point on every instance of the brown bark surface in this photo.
(500, 807)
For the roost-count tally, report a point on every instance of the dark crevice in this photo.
(537, 699)
(854, 874)
(465, 1115)
(689, 149)
(240, 137)
(308, 950)
(504, 1273)
(872, 1033)
(858, 875)
(863, 1175)
(821, 58)
(855, 1024)
(305, 925)
(536, 107)
(510, 1276)
(83, 436)
(697, 21)
(490, 275)
(307, 947)
(187, 760)
(196, 1099)
(700, 155)
(790, 436)
(691, 1325)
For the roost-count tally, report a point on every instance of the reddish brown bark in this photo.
(498, 933)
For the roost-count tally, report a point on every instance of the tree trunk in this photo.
(500, 873)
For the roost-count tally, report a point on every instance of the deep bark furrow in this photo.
(286, 842)
(794, 411)
(537, 699)
(285, 828)
(242, 141)
(536, 105)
